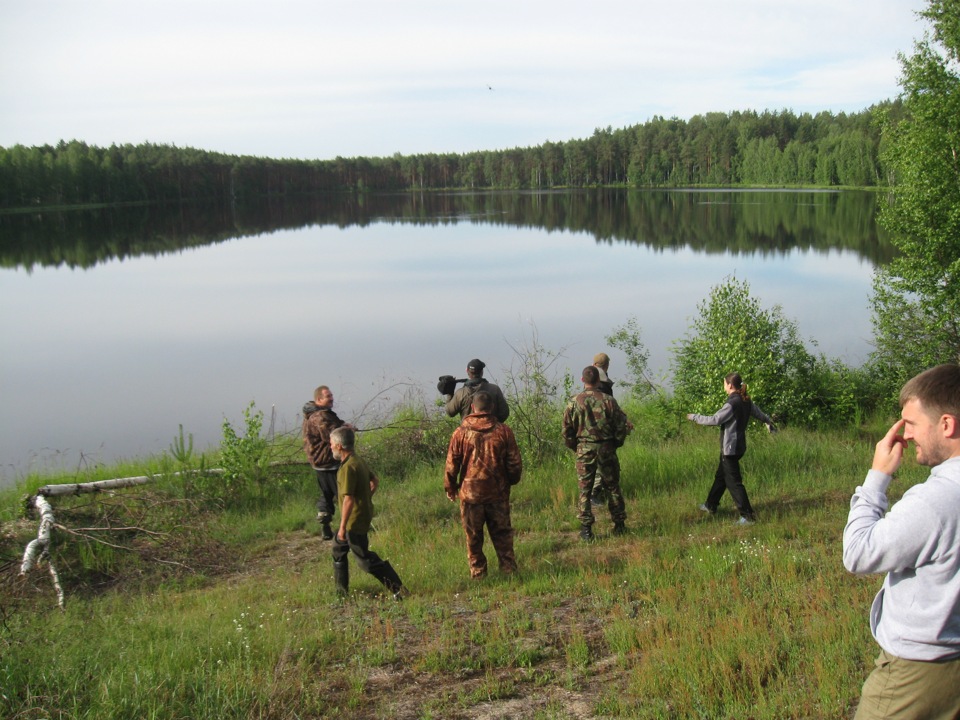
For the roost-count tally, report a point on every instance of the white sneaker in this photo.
(746, 521)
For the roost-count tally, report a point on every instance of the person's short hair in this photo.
(591, 376)
(482, 401)
(344, 437)
(937, 389)
(601, 360)
(316, 393)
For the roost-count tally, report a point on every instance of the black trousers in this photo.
(728, 477)
(327, 503)
(359, 545)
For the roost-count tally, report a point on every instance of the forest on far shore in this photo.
(717, 149)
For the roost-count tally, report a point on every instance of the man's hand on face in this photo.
(889, 452)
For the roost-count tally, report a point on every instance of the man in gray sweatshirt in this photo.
(915, 617)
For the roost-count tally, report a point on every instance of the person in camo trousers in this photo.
(594, 427)
(483, 463)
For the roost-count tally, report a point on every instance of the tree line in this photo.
(738, 148)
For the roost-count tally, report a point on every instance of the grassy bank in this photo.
(233, 614)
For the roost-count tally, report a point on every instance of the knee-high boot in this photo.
(385, 573)
(341, 576)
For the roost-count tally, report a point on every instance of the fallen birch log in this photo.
(40, 548)
(99, 485)
(113, 484)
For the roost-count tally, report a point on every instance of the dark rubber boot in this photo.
(619, 529)
(341, 576)
(586, 532)
(326, 532)
(388, 576)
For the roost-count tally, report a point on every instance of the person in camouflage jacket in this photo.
(594, 427)
(483, 463)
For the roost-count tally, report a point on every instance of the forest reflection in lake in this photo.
(121, 325)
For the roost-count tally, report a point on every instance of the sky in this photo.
(314, 79)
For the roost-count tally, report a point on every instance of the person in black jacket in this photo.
(459, 402)
(732, 419)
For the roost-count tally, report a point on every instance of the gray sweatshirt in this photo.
(732, 419)
(916, 614)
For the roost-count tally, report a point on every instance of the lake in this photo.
(120, 325)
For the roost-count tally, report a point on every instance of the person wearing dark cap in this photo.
(459, 403)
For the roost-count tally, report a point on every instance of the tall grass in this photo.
(687, 616)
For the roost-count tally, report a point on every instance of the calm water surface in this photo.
(104, 362)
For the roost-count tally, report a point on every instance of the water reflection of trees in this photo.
(704, 221)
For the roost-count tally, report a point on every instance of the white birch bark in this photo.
(40, 547)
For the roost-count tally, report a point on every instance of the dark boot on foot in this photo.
(388, 576)
(341, 576)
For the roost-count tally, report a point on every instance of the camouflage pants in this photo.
(496, 516)
(599, 462)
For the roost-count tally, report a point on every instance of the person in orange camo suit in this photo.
(483, 463)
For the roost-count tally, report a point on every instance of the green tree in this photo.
(627, 338)
(916, 302)
(733, 333)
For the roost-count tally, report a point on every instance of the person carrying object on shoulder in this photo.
(483, 464)
(732, 418)
(594, 427)
(915, 617)
(319, 420)
(459, 402)
(356, 485)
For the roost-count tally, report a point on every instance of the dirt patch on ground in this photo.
(403, 693)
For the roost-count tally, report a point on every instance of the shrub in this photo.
(245, 461)
(412, 436)
(627, 339)
(536, 394)
(733, 333)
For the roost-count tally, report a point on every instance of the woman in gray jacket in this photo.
(732, 419)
